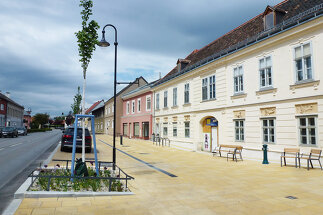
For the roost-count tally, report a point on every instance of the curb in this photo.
(48, 194)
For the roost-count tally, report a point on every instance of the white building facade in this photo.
(267, 91)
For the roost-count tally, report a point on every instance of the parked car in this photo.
(1, 131)
(22, 131)
(10, 132)
(67, 139)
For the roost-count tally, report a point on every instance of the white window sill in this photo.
(266, 91)
(307, 83)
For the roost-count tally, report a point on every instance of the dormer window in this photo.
(269, 21)
(182, 63)
(272, 16)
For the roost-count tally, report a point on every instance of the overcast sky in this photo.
(39, 62)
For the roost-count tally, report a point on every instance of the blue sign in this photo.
(212, 122)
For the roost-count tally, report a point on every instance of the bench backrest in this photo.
(239, 148)
(316, 153)
(291, 150)
(229, 146)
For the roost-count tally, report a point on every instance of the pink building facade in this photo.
(136, 121)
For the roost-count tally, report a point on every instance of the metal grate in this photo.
(291, 197)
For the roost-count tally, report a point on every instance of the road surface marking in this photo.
(15, 144)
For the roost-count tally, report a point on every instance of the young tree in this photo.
(87, 38)
(76, 106)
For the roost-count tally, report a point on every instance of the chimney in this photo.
(8, 94)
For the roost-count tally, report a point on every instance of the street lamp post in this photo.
(104, 43)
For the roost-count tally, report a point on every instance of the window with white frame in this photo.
(265, 72)
(238, 79)
(133, 106)
(165, 98)
(208, 88)
(165, 129)
(268, 128)
(148, 103)
(239, 130)
(112, 107)
(136, 129)
(303, 62)
(307, 130)
(109, 110)
(204, 89)
(106, 110)
(157, 101)
(125, 129)
(139, 105)
(174, 129)
(187, 93)
(175, 96)
(212, 87)
(2, 106)
(128, 107)
(187, 129)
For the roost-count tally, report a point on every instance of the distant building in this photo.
(109, 111)
(98, 113)
(11, 113)
(136, 121)
(89, 112)
(27, 119)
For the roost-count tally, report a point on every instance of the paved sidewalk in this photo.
(204, 185)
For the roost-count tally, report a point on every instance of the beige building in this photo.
(258, 84)
(109, 110)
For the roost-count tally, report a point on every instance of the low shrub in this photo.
(38, 130)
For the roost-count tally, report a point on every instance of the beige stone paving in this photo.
(205, 185)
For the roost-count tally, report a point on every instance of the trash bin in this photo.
(80, 168)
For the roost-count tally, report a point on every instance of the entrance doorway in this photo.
(145, 130)
(210, 134)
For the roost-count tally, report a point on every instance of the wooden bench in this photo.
(236, 151)
(315, 154)
(289, 153)
(230, 149)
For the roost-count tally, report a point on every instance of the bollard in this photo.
(121, 140)
(264, 148)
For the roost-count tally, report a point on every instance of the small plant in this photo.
(78, 184)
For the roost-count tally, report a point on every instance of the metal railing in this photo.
(121, 176)
(160, 140)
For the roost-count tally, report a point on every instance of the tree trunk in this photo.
(83, 113)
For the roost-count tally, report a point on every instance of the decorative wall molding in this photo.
(271, 111)
(239, 114)
(306, 108)
(187, 118)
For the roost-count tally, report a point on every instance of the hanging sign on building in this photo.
(212, 122)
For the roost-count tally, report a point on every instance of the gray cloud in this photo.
(39, 57)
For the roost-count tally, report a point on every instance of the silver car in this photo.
(22, 131)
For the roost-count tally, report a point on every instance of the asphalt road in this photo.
(19, 156)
